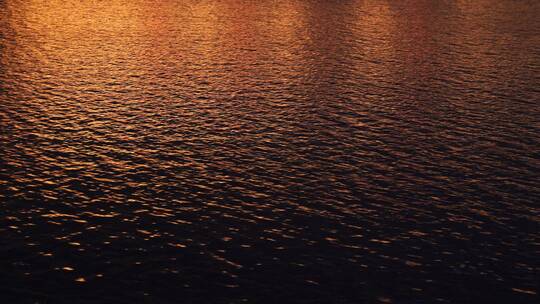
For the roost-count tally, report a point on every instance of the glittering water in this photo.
(287, 151)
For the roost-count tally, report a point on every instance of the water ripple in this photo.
(277, 151)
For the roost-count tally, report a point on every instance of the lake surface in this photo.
(287, 151)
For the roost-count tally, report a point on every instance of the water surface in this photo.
(287, 151)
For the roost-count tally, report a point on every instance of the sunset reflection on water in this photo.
(269, 151)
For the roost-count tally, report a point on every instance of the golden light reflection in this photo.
(220, 143)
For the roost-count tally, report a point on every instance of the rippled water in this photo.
(281, 151)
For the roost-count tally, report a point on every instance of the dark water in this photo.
(287, 151)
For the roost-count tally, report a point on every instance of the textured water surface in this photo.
(287, 151)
